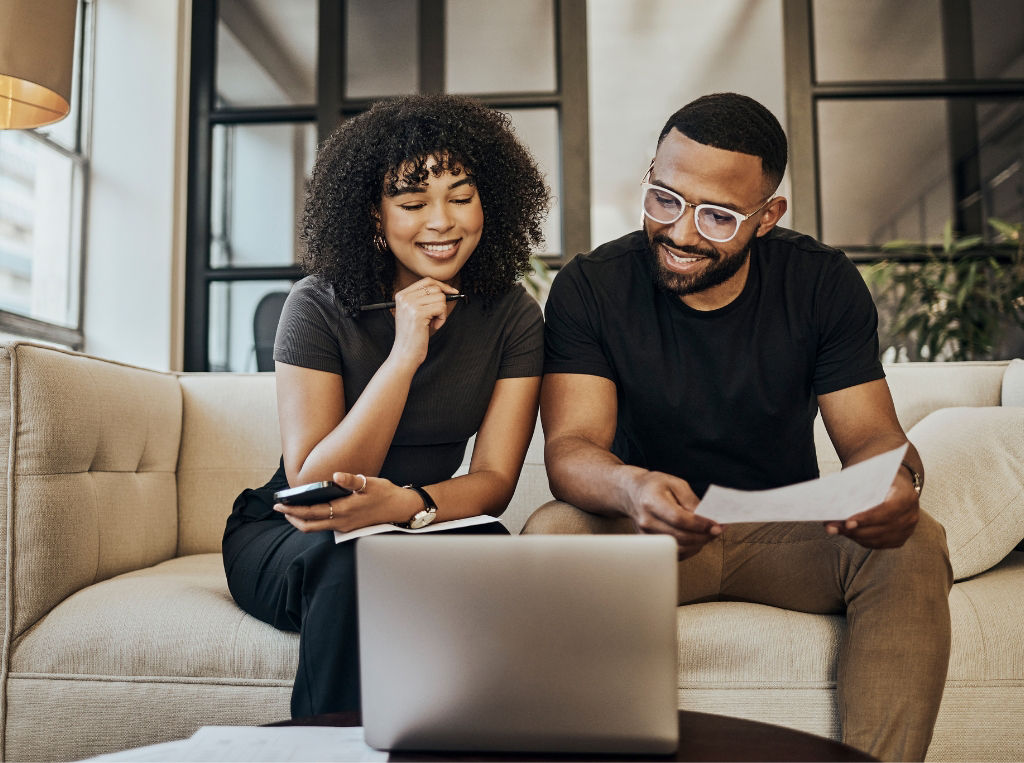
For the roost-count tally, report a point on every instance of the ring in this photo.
(426, 290)
(363, 487)
(331, 505)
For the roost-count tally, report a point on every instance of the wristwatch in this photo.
(424, 516)
(918, 482)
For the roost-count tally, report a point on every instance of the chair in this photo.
(264, 327)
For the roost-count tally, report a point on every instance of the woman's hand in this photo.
(420, 309)
(373, 501)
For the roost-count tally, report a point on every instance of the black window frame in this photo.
(570, 98)
(804, 92)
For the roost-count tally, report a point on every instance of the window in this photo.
(270, 79)
(42, 206)
(903, 116)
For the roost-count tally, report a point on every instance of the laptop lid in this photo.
(545, 643)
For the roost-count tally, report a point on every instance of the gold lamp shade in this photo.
(37, 48)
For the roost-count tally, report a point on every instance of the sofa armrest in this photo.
(90, 451)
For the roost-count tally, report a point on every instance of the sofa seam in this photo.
(999, 515)
(190, 680)
(5, 648)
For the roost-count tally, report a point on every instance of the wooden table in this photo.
(702, 737)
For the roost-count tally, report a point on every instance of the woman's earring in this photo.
(380, 243)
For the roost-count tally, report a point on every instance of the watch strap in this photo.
(429, 507)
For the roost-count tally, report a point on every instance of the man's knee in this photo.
(559, 518)
(927, 549)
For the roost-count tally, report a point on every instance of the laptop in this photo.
(541, 643)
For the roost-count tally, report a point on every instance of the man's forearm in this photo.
(588, 476)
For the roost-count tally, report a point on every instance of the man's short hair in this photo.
(734, 122)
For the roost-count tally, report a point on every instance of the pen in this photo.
(390, 305)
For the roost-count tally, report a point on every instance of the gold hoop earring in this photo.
(379, 243)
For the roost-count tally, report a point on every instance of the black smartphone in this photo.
(314, 492)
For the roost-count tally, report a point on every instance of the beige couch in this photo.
(119, 630)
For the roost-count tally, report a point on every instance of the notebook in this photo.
(543, 643)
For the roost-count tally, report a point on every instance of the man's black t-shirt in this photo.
(726, 396)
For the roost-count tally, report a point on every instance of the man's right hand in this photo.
(662, 503)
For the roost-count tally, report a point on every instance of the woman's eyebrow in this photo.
(466, 180)
(408, 189)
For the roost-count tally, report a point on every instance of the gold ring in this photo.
(363, 486)
(426, 290)
(331, 505)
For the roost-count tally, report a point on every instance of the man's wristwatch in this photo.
(424, 516)
(918, 482)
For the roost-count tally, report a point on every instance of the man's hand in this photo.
(661, 503)
(887, 525)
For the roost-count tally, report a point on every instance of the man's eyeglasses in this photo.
(715, 223)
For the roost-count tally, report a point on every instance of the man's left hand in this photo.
(887, 525)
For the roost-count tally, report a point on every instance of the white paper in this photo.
(832, 497)
(433, 527)
(259, 743)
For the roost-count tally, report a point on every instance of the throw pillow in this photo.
(974, 481)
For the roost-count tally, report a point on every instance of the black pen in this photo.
(391, 305)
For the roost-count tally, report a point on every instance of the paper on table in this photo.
(834, 496)
(433, 527)
(259, 743)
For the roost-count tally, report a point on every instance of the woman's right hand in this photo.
(373, 500)
(420, 310)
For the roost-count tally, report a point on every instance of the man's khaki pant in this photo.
(893, 660)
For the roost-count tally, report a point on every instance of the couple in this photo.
(695, 350)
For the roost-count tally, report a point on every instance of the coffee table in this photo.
(702, 736)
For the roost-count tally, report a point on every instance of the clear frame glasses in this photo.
(715, 223)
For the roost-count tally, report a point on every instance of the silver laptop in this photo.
(544, 643)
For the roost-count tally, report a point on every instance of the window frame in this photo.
(19, 324)
(804, 92)
(570, 99)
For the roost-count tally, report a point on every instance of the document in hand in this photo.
(834, 496)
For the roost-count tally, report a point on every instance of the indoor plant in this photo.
(954, 302)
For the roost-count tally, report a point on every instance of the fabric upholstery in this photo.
(974, 481)
(230, 441)
(92, 456)
(111, 643)
(1013, 383)
(133, 625)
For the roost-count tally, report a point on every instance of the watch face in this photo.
(422, 519)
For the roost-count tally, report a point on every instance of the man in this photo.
(697, 351)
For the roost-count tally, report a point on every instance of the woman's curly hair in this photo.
(361, 161)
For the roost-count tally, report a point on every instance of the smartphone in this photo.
(314, 492)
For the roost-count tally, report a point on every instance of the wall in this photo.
(648, 58)
(133, 267)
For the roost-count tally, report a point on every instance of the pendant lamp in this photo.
(37, 48)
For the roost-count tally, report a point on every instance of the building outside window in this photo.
(42, 208)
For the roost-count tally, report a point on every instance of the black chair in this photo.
(264, 327)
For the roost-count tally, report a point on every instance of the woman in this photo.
(415, 200)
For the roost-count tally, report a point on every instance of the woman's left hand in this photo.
(373, 501)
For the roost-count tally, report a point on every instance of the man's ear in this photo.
(771, 214)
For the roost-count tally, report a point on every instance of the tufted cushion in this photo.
(974, 481)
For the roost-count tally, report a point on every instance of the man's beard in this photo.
(719, 269)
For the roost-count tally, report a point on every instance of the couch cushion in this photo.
(974, 481)
(91, 450)
(1013, 383)
(173, 620)
(229, 441)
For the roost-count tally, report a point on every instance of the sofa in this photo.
(119, 630)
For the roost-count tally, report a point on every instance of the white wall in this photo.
(132, 269)
(647, 59)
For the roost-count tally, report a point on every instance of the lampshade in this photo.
(37, 48)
